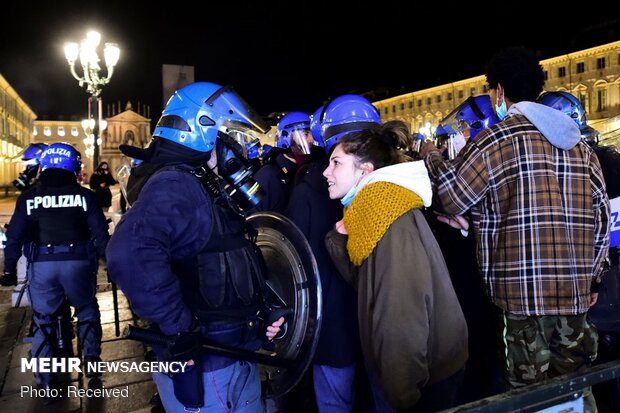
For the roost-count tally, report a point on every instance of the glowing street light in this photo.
(92, 79)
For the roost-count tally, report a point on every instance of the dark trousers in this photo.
(49, 283)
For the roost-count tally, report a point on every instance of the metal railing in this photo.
(540, 396)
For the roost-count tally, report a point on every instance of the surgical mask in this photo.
(501, 111)
(348, 198)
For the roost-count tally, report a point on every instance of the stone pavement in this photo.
(14, 324)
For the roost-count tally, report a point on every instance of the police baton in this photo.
(154, 337)
(21, 294)
(117, 321)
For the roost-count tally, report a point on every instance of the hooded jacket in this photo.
(412, 329)
(539, 209)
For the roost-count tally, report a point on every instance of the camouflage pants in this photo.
(543, 347)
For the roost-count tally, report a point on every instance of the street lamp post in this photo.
(91, 79)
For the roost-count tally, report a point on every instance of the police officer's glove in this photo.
(8, 278)
(187, 385)
(183, 346)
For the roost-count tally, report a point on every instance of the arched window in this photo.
(129, 138)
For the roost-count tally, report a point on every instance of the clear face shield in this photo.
(455, 132)
(247, 138)
(302, 141)
(122, 174)
(453, 137)
(227, 101)
(235, 147)
(26, 177)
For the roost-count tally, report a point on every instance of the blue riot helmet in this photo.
(195, 114)
(32, 154)
(315, 126)
(265, 150)
(474, 114)
(466, 121)
(61, 155)
(345, 114)
(567, 103)
(418, 138)
(204, 116)
(30, 157)
(253, 149)
(293, 131)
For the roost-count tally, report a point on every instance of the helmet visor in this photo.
(122, 174)
(244, 134)
(467, 115)
(302, 141)
(229, 102)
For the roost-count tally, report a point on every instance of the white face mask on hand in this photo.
(455, 144)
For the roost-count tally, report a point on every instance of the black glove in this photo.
(8, 278)
(183, 346)
(188, 386)
(269, 315)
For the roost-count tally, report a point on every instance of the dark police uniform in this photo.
(61, 229)
(276, 178)
(179, 256)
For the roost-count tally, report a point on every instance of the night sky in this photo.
(280, 56)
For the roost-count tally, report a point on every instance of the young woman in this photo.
(412, 329)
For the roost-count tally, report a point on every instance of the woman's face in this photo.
(341, 174)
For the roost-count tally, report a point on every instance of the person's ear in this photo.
(367, 168)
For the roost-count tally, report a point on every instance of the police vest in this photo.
(229, 271)
(227, 283)
(59, 214)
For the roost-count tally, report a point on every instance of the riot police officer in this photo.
(62, 232)
(180, 253)
(277, 175)
(30, 158)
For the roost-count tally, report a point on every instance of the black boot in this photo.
(8, 279)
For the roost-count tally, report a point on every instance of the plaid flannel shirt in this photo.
(540, 214)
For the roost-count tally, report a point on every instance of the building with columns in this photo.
(127, 127)
(593, 75)
(16, 126)
(124, 127)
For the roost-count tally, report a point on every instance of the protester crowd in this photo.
(450, 269)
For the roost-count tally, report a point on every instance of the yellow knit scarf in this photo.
(373, 210)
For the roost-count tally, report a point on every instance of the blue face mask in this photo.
(346, 200)
(501, 111)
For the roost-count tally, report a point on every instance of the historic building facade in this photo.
(16, 126)
(593, 75)
(125, 127)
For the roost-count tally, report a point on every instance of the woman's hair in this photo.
(519, 72)
(381, 147)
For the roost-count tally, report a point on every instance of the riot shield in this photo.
(292, 279)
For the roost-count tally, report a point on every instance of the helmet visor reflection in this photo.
(227, 100)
